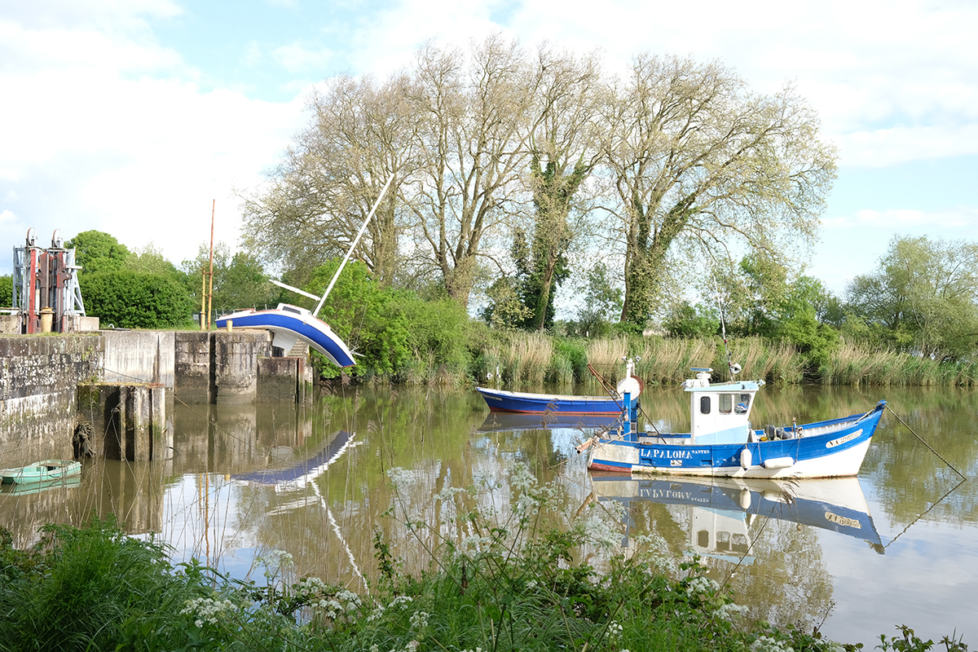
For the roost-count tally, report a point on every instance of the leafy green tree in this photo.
(134, 300)
(150, 260)
(6, 291)
(923, 298)
(97, 252)
(239, 280)
(686, 320)
(601, 302)
(506, 308)
(363, 315)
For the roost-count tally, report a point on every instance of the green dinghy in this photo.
(41, 472)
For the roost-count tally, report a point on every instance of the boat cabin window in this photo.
(726, 403)
(288, 308)
(704, 405)
(743, 404)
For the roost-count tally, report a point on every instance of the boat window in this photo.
(704, 405)
(726, 403)
(743, 404)
(287, 308)
(703, 537)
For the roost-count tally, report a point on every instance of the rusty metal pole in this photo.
(210, 291)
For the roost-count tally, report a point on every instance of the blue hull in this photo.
(525, 403)
(824, 449)
(293, 326)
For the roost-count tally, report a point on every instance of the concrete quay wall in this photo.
(38, 380)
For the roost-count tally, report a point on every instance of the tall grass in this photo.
(855, 365)
(531, 358)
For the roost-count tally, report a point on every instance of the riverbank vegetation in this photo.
(540, 208)
(492, 582)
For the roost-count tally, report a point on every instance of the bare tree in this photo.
(322, 192)
(693, 155)
(472, 151)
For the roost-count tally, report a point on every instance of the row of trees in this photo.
(921, 299)
(510, 165)
(142, 289)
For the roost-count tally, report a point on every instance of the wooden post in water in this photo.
(210, 291)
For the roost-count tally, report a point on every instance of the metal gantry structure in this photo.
(45, 279)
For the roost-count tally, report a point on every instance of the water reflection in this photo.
(314, 482)
(721, 511)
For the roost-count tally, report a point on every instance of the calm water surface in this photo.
(899, 544)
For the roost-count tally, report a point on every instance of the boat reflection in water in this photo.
(507, 421)
(721, 511)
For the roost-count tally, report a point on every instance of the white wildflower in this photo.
(521, 479)
(532, 584)
(419, 620)
(614, 629)
(448, 493)
(207, 610)
(702, 585)
(411, 646)
(767, 644)
(731, 611)
(399, 477)
(400, 600)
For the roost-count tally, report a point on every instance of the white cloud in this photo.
(296, 57)
(120, 138)
(7, 216)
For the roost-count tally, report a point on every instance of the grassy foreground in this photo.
(492, 585)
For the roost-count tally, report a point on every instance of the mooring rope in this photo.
(925, 443)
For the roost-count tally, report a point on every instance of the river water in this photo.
(897, 545)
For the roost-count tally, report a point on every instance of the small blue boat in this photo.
(288, 324)
(722, 441)
(525, 403)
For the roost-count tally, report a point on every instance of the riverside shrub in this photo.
(134, 300)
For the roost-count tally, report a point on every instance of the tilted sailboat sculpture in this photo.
(289, 324)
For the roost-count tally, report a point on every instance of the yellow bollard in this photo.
(47, 320)
(229, 325)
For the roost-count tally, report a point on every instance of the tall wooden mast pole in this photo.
(210, 290)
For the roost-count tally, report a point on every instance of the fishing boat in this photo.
(720, 511)
(722, 441)
(45, 471)
(289, 324)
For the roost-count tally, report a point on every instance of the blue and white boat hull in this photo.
(500, 400)
(288, 324)
(824, 449)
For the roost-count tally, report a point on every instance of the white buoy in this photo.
(745, 459)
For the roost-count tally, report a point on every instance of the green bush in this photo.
(133, 300)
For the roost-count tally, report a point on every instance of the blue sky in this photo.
(130, 116)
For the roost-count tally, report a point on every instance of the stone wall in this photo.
(139, 357)
(38, 380)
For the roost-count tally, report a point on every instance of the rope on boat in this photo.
(925, 443)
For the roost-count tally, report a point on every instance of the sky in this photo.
(132, 116)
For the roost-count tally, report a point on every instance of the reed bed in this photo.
(855, 365)
(527, 358)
